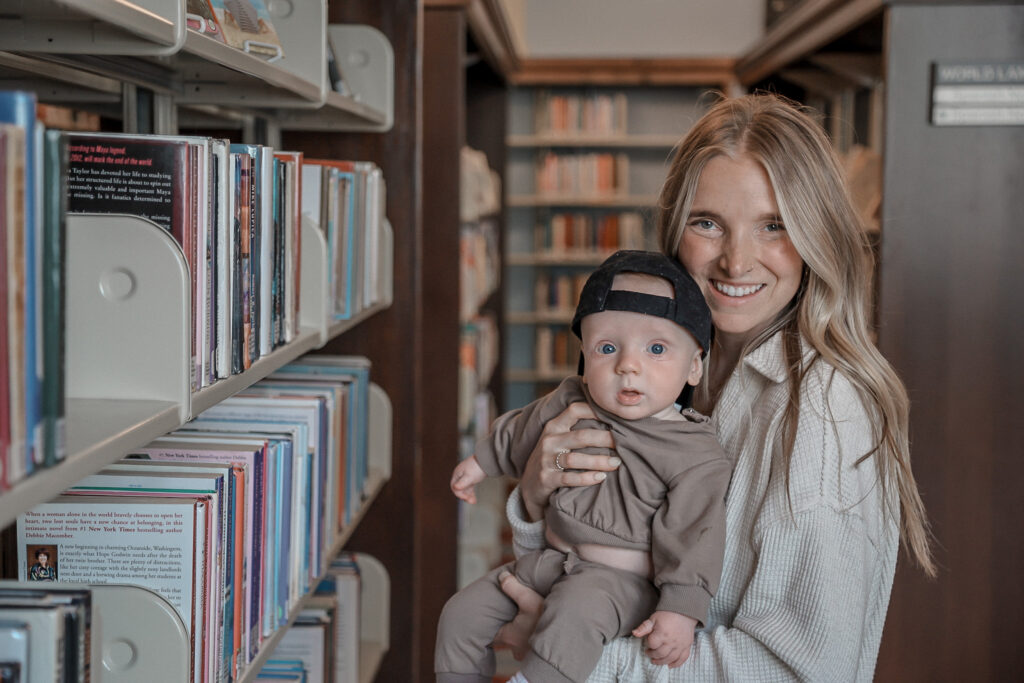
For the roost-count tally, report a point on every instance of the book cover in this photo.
(265, 182)
(252, 254)
(199, 17)
(220, 300)
(247, 27)
(204, 481)
(147, 176)
(254, 452)
(241, 166)
(244, 460)
(292, 216)
(156, 542)
(46, 655)
(19, 108)
(5, 391)
(53, 265)
(16, 465)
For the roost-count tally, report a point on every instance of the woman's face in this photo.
(735, 246)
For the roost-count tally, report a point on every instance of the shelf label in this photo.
(978, 94)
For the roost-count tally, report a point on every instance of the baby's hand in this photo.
(467, 474)
(669, 637)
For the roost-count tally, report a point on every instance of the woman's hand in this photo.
(516, 634)
(554, 462)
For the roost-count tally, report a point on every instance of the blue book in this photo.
(19, 108)
(355, 370)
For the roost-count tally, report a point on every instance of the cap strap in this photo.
(636, 302)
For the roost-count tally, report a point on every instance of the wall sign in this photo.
(978, 94)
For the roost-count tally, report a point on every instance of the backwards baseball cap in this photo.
(688, 309)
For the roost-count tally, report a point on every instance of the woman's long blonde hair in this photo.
(830, 312)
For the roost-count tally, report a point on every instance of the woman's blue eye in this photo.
(775, 227)
(606, 348)
(657, 349)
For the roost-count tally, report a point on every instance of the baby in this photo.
(641, 552)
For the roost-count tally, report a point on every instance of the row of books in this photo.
(479, 265)
(478, 357)
(587, 174)
(229, 518)
(556, 349)
(45, 633)
(588, 114)
(558, 292)
(346, 199)
(322, 645)
(479, 186)
(236, 212)
(586, 232)
(32, 245)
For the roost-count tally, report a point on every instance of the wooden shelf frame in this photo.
(808, 27)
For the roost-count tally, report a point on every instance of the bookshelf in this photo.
(871, 67)
(128, 299)
(561, 222)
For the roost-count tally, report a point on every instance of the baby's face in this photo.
(636, 365)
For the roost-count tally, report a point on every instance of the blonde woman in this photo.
(755, 209)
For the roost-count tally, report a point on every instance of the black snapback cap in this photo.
(688, 309)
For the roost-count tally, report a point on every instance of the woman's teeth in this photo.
(729, 290)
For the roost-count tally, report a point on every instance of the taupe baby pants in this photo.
(586, 605)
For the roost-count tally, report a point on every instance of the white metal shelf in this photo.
(146, 43)
(139, 27)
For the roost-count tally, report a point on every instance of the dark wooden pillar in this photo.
(411, 527)
(951, 321)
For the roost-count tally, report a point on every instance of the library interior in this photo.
(373, 234)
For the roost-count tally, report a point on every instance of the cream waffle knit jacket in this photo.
(806, 579)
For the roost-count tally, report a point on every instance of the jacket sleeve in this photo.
(514, 434)
(688, 538)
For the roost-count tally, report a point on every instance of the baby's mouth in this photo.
(629, 397)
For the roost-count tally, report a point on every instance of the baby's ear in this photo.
(696, 369)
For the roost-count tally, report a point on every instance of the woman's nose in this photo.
(737, 257)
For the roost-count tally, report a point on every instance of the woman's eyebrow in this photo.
(714, 215)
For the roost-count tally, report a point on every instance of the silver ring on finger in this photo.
(558, 458)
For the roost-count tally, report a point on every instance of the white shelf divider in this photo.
(135, 632)
(374, 615)
(107, 27)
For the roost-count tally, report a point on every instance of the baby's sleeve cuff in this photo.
(526, 536)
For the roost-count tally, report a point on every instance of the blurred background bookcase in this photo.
(587, 153)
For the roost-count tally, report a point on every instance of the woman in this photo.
(756, 209)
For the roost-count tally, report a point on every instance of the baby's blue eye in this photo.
(657, 349)
(606, 348)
